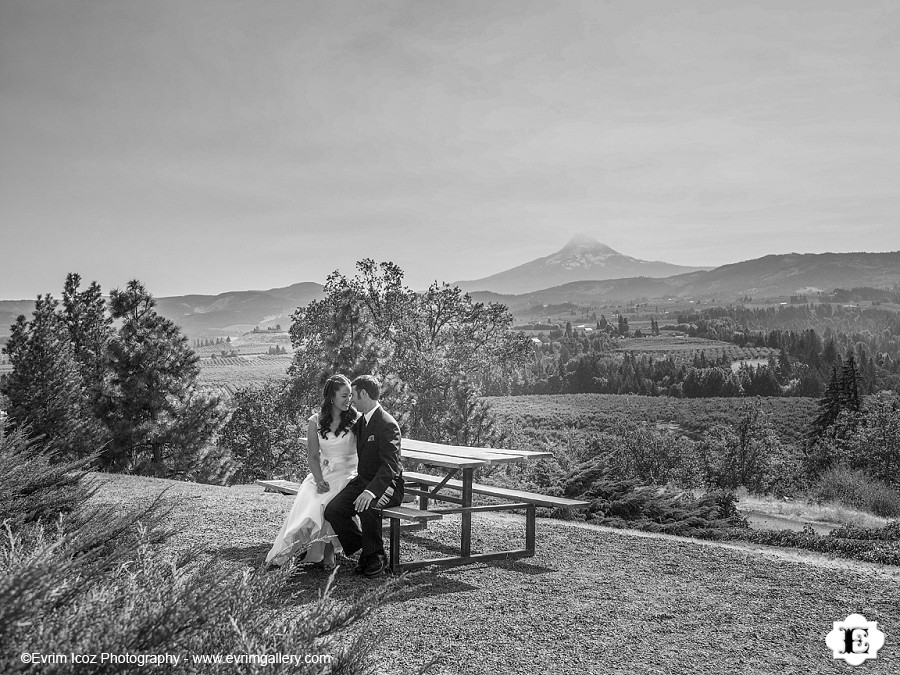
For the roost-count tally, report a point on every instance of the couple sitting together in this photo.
(354, 463)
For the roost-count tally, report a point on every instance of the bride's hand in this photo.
(322, 486)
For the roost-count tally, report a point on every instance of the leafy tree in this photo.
(263, 433)
(746, 453)
(45, 389)
(158, 420)
(419, 344)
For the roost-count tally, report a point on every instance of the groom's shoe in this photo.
(376, 566)
(361, 564)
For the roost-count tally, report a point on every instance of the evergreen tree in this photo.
(90, 330)
(158, 421)
(849, 383)
(45, 389)
(829, 407)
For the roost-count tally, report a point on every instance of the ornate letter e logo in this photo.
(854, 639)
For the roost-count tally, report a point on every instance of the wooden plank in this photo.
(445, 461)
(406, 513)
(285, 487)
(485, 454)
(519, 454)
(526, 454)
(505, 493)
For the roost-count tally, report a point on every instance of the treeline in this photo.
(800, 362)
(209, 342)
(818, 337)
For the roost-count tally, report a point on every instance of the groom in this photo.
(378, 483)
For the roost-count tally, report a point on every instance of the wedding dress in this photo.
(305, 528)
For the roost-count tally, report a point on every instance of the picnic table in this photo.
(449, 461)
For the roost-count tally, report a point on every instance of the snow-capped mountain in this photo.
(582, 259)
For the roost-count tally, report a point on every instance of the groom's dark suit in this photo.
(378, 453)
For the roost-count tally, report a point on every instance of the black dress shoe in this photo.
(376, 566)
(360, 565)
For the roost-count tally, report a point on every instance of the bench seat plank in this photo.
(505, 493)
(285, 487)
(407, 513)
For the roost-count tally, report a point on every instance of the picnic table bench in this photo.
(453, 460)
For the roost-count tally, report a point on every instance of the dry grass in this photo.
(829, 513)
(591, 600)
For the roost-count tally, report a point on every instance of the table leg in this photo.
(394, 561)
(465, 548)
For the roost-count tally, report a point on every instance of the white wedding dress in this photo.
(305, 528)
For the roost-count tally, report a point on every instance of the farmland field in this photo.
(248, 343)
(683, 349)
(692, 416)
(224, 376)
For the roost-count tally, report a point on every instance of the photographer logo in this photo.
(854, 639)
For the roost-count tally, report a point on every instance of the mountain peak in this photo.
(585, 241)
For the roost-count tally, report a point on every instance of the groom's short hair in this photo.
(369, 385)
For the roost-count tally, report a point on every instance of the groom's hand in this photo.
(363, 501)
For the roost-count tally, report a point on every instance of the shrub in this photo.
(86, 580)
(34, 489)
(857, 489)
(627, 503)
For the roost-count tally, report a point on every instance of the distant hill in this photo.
(775, 275)
(582, 259)
(237, 311)
(767, 277)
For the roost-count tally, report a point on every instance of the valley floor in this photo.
(592, 600)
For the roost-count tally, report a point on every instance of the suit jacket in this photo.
(378, 452)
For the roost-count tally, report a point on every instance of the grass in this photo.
(804, 509)
(592, 600)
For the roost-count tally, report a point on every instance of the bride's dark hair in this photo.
(348, 416)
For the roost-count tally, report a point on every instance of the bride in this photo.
(331, 446)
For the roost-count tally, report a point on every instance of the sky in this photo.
(205, 146)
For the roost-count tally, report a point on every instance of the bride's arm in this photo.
(312, 453)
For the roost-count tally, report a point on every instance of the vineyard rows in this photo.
(224, 376)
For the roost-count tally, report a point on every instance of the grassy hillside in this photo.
(591, 600)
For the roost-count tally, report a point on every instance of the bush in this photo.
(626, 503)
(879, 545)
(33, 489)
(857, 489)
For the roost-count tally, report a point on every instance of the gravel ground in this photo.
(592, 600)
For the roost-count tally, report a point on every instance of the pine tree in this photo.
(849, 383)
(829, 407)
(158, 421)
(45, 389)
(90, 330)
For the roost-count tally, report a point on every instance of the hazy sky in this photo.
(204, 146)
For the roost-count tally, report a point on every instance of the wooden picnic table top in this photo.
(459, 456)
(487, 455)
